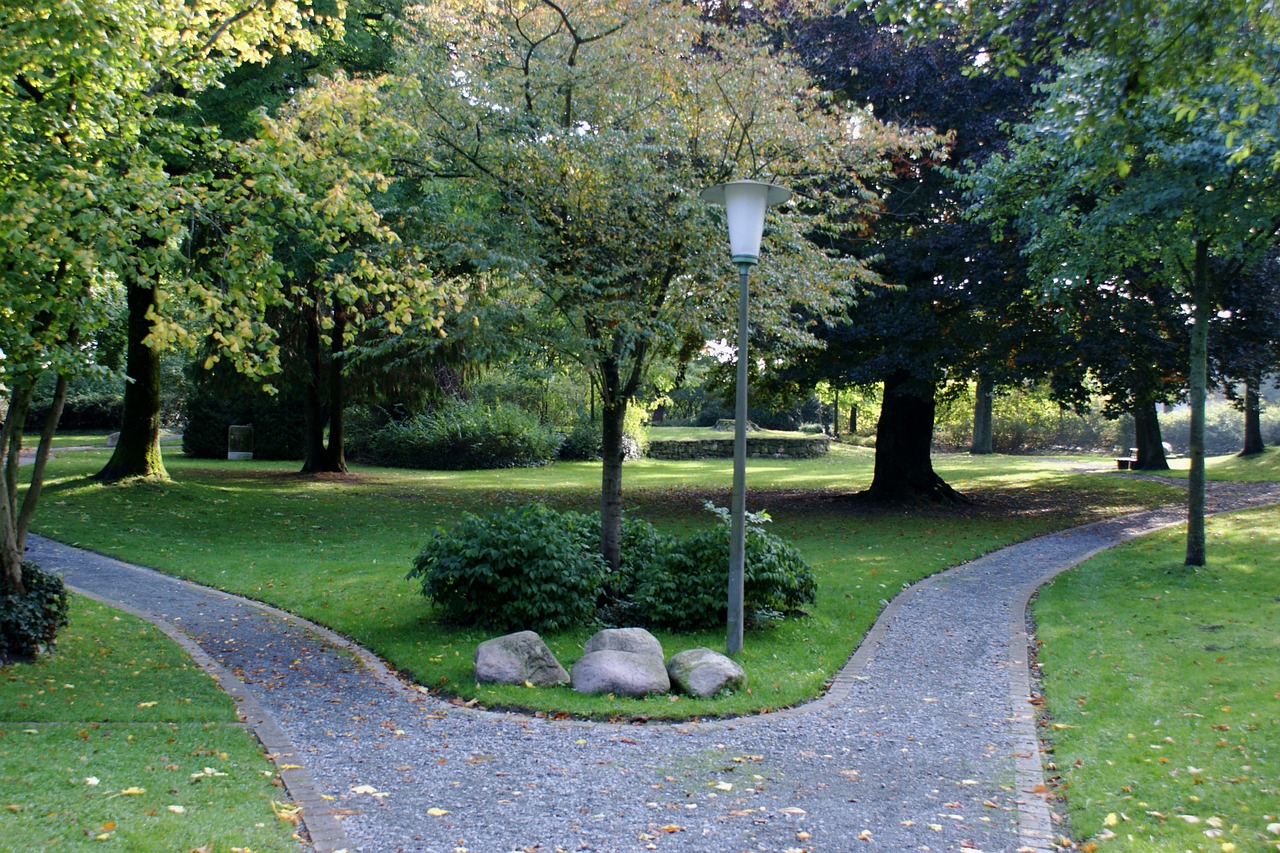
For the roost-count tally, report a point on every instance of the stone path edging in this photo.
(326, 832)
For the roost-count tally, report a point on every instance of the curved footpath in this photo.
(926, 740)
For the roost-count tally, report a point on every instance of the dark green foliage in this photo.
(29, 623)
(460, 436)
(687, 588)
(582, 443)
(215, 403)
(94, 402)
(521, 569)
(533, 568)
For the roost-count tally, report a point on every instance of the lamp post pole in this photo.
(738, 504)
(745, 203)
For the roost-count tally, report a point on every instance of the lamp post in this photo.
(745, 203)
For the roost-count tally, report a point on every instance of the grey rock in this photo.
(518, 658)
(621, 673)
(635, 640)
(704, 672)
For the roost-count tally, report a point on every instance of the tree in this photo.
(307, 186)
(168, 51)
(590, 130)
(1187, 207)
(958, 310)
(1248, 333)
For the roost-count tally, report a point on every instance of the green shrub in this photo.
(521, 569)
(584, 439)
(30, 622)
(461, 436)
(533, 568)
(686, 588)
(582, 442)
(95, 401)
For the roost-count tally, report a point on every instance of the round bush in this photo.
(30, 622)
(521, 569)
(686, 588)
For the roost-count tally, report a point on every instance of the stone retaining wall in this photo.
(757, 448)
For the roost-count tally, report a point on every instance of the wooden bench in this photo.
(1124, 463)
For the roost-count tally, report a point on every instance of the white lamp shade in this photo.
(745, 203)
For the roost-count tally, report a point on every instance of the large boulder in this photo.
(704, 672)
(621, 673)
(635, 640)
(519, 658)
(624, 661)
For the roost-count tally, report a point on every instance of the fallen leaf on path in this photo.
(437, 812)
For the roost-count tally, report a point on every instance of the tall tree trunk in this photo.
(137, 454)
(335, 454)
(1198, 381)
(315, 414)
(11, 446)
(983, 402)
(41, 461)
(321, 412)
(1253, 443)
(904, 438)
(613, 413)
(1146, 435)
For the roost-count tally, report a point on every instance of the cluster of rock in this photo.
(621, 661)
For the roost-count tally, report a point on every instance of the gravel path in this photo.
(925, 742)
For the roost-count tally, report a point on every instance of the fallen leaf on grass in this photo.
(91, 780)
(132, 792)
(287, 812)
(176, 809)
(208, 771)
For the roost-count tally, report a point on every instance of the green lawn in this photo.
(1163, 693)
(336, 550)
(118, 737)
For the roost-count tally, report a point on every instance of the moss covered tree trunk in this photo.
(137, 453)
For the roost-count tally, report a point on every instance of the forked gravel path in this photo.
(925, 742)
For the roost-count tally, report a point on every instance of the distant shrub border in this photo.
(537, 569)
(460, 436)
